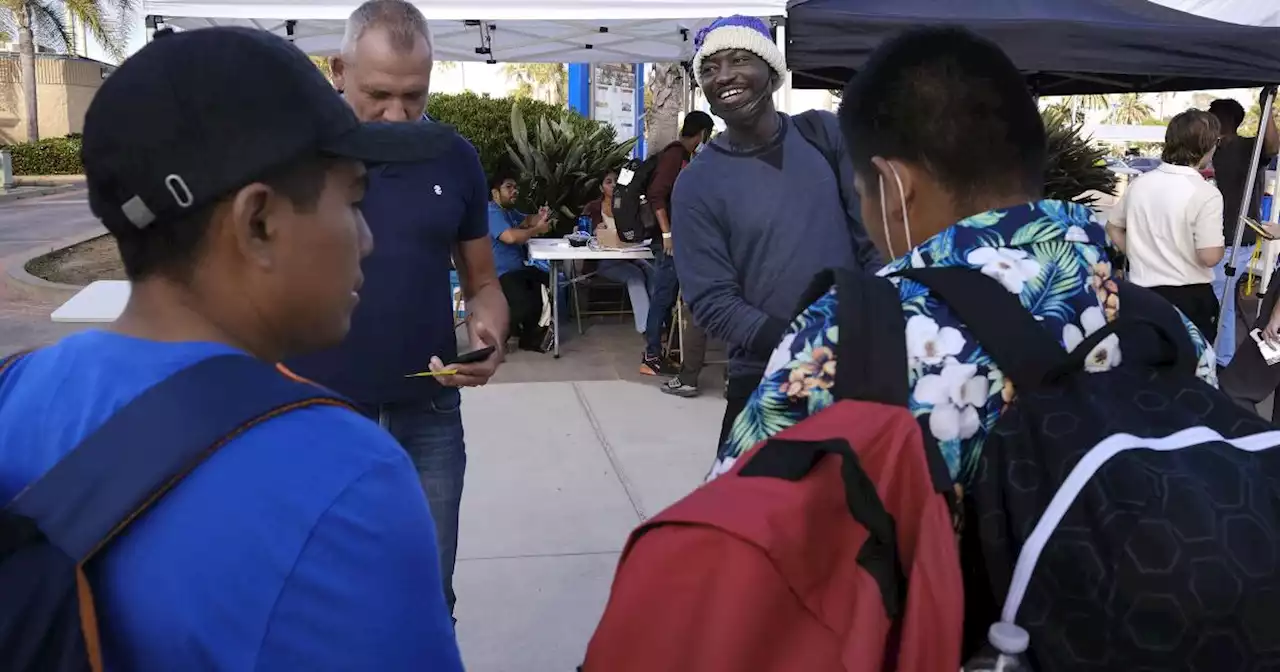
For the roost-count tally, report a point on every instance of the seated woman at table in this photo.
(633, 273)
(1169, 222)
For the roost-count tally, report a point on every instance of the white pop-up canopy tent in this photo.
(510, 31)
(1243, 12)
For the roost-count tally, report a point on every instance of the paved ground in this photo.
(553, 489)
(34, 222)
(24, 225)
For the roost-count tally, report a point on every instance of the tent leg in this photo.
(782, 99)
(1251, 177)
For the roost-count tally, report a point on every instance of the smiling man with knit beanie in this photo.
(761, 210)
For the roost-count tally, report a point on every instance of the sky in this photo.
(137, 38)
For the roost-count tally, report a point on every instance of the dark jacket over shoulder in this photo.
(752, 228)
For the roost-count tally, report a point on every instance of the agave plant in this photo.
(1073, 165)
(561, 166)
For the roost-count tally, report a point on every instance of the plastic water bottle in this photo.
(1006, 650)
(584, 225)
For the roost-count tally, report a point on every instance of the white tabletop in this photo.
(559, 249)
(101, 301)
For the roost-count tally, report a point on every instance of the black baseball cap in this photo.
(195, 115)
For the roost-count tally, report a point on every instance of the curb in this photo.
(47, 180)
(37, 191)
(17, 277)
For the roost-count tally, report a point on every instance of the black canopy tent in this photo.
(1065, 46)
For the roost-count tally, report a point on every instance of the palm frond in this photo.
(107, 22)
(48, 20)
(1073, 165)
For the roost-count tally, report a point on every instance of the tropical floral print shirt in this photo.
(1050, 253)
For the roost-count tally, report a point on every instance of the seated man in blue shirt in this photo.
(521, 283)
(303, 543)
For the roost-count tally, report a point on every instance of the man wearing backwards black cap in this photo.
(229, 172)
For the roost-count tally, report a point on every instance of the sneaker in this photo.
(680, 388)
(540, 342)
(651, 365)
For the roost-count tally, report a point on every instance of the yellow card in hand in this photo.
(428, 374)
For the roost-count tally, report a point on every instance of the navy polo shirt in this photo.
(417, 213)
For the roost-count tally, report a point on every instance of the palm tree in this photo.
(1130, 109)
(548, 82)
(1077, 107)
(662, 98)
(46, 21)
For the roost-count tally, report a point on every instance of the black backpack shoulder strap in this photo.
(813, 129)
(150, 444)
(1155, 334)
(1025, 352)
(871, 355)
(1143, 303)
(872, 350)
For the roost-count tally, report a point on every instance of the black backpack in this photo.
(53, 528)
(1128, 519)
(632, 214)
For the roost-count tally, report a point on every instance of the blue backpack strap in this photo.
(150, 444)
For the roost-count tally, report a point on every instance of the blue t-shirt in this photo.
(417, 213)
(303, 544)
(506, 257)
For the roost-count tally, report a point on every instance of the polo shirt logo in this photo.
(438, 190)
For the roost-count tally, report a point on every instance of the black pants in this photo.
(523, 289)
(1197, 302)
(737, 392)
(1248, 380)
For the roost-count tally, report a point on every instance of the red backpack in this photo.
(828, 547)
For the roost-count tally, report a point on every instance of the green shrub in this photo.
(486, 122)
(561, 164)
(49, 156)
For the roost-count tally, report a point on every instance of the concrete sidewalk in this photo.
(558, 474)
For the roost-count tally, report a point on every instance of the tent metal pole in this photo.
(1229, 269)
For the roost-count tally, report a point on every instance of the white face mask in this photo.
(884, 214)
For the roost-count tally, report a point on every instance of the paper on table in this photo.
(1270, 353)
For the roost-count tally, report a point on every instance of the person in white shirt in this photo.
(1169, 222)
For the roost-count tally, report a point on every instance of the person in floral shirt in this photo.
(949, 148)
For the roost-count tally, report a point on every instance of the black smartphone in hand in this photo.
(474, 356)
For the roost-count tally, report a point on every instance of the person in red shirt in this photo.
(673, 158)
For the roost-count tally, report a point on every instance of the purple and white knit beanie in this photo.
(740, 32)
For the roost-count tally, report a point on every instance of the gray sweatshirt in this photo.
(752, 229)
